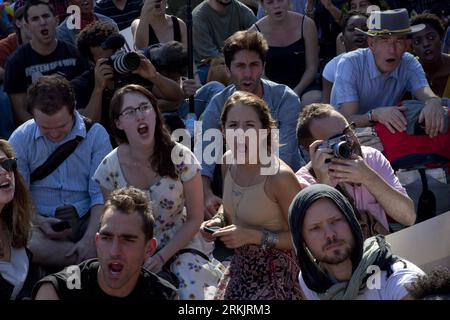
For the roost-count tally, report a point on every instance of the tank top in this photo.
(250, 206)
(286, 65)
(153, 39)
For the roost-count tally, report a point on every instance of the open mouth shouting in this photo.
(115, 269)
(428, 54)
(142, 129)
(45, 32)
(6, 185)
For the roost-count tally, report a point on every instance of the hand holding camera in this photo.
(104, 74)
(354, 170)
(320, 161)
(322, 153)
(145, 69)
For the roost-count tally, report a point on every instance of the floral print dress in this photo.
(168, 202)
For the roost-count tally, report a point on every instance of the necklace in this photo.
(239, 191)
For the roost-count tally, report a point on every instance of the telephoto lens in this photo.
(126, 62)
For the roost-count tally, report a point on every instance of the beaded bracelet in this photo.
(270, 239)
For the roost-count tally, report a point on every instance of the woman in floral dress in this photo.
(148, 159)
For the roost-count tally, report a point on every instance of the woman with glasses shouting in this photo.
(147, 158)
(15, 228)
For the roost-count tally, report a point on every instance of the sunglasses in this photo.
(9, 164)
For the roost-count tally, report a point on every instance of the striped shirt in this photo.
(123, 18)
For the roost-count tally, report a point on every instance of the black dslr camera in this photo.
(341, 146)
(123, 63)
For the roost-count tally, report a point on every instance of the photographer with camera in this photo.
(362, 173)
(111, 69)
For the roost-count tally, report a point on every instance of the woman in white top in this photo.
(15, 226)
(147, 158)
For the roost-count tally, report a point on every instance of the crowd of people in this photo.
(318, 120)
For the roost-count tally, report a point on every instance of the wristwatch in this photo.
(370, 116)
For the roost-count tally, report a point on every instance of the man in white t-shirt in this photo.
(336, 264)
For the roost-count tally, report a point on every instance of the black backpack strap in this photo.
(193, 251)
(59, 155)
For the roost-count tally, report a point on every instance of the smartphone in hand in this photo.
(210, 229)
(61, 226)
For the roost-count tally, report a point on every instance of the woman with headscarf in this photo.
(334, 261)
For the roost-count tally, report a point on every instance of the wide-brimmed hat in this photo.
(390, 22)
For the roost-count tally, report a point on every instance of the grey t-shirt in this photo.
(210, 28)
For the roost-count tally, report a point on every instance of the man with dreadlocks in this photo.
(334, 261)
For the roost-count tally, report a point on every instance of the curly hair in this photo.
(350, 14)
(433, 286)
(129, 200)
(16, 215)
(93, 35)
(429, 19)
(161, 160)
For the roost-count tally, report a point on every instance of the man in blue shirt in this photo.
(68, 192)
(245, 53)
(370, 82)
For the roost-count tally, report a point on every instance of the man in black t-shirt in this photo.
(43, 55)
(124, 241)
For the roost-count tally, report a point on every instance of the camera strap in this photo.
(59, 155)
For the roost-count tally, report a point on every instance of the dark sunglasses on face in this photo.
(9, 164)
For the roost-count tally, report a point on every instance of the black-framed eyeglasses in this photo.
(130, 112)
(349, 128)
(9, 164)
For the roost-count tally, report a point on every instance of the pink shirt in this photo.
(364, 200)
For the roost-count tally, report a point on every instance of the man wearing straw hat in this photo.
(370, 82)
